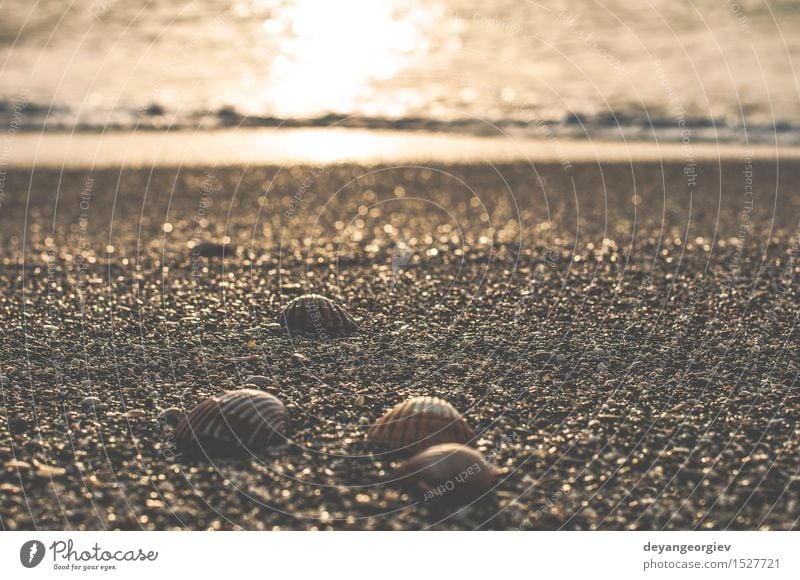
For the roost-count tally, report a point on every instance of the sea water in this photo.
(721, 70)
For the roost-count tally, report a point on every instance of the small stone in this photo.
(262, 383)
(134, 414)
(456, 368)
(34, 445)
(257, 380)
(9, 489)
(170, 415)
(292, 288)
(50, 471)
(93, 403)
(608, 417)
(16, 465)
(212, 250)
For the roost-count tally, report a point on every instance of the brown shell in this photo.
(316, 315)
(421, 422)
(449, 472)
(246, 420)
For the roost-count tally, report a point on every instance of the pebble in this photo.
(170, 415)
(90, 403)
(50, 471)
(212, 250)
(17, 464)
(134, 414)
(258, 380)
(263, 383)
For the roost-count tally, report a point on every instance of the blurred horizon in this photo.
(613, 71)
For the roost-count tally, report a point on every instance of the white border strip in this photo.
(382, 555)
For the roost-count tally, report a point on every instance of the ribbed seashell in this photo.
(421, 422)
(449, 472)
(313, 314)
(244, 420)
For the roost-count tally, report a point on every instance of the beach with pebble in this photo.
(439, 346)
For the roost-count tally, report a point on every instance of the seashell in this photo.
(316, 315)
(246, 420)
(451, 473)
(421, 422)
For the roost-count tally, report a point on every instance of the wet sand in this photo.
(621, 336)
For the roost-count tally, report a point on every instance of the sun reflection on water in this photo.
(332, 53)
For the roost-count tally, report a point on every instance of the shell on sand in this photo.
(313, 314)
(420, 422)
(243, 420)
(449, 472)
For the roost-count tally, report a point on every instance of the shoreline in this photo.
(243, 147)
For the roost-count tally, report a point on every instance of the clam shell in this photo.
(245, 420)
(449, 472)
(316, 315)
(421, 422)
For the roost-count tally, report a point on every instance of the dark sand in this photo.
(631, 360)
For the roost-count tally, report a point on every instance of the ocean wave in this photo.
(611, 125)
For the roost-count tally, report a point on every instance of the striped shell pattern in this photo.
(313, 314)
(450, 472)
(243, 420)
(421, 422)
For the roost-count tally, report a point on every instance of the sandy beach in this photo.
(622, 336)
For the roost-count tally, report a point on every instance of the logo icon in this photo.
(31, 553)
